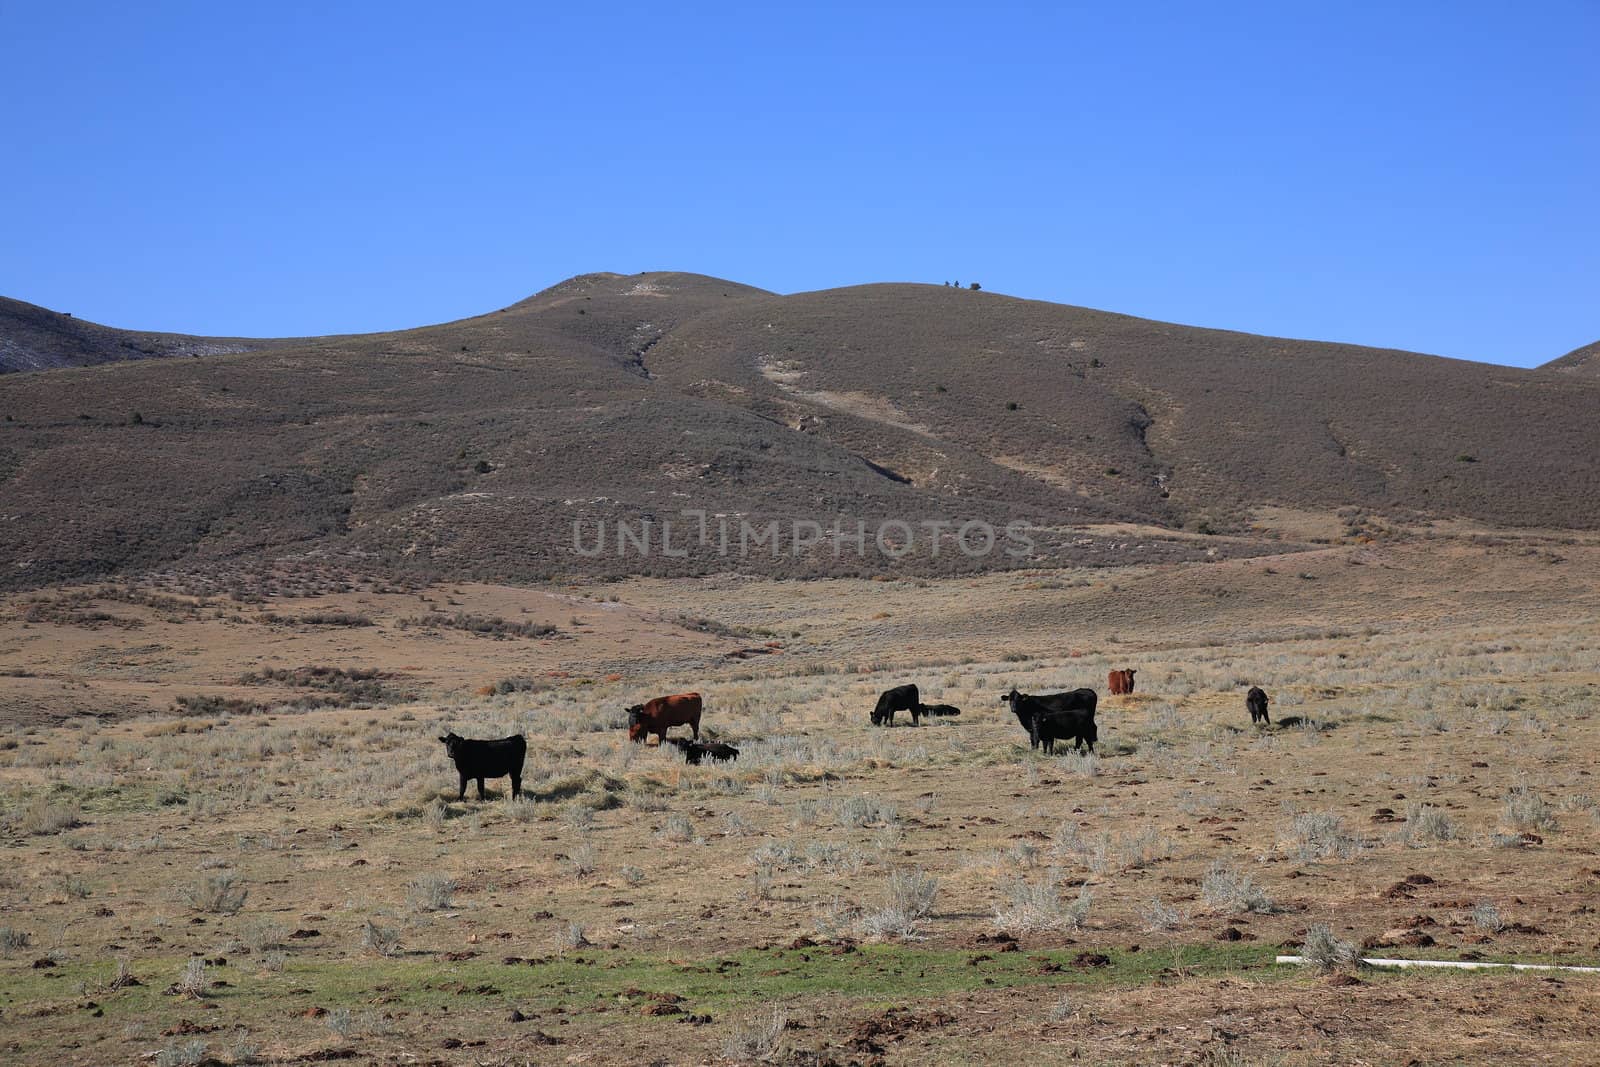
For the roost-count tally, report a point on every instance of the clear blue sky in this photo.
(1414, 175)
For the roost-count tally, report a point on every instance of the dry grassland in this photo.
(179, 785)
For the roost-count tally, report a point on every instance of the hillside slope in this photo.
(35, 338)
(1169, 421)
(1584, 361)
(476, 447)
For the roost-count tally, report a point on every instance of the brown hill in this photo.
(1171, 421)
(1584, 361)
(35, 338)
(472, 448)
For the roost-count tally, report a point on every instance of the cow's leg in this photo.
(516, 784)
(480, 788)
(464, 780)
(696, 726)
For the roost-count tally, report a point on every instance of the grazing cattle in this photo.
(661, 714)
(1075, 726)
(900, 698)
(1256, 702)
(1075, 709)
(695, 751)
(1121, 682)
(487, 759)
(938, 710)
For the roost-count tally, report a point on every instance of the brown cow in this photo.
(1121, 682)
(658, 715)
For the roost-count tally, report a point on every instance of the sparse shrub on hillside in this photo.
(332, 686)
(1526, 811)
(379, 940)
(12, 939)
(758, 1039)
(1426, 825)
(192, 982)
(1158, 915)
(206, 704)
(318, 618)
(572, 935)
(220, 894)
(865, 811)
(908, 898)
(713, 627)
(678, 827)
(478, 625)
(1326, 952)
(1231, 891)
(1034, 906)
(1320, 835)
(431, 892)
(45, 816)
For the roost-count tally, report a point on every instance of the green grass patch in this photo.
(891, 972)
(118, 799)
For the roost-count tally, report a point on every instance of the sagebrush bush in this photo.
(1426, 825)
(219, 894)
(12, 939)
(758, 1038)
(1325, 952)
(1525, 811)
(430, 892)
(1316, 835)
(1158, 915)
(379, 940)
(47, 817)
(908, 898)
(1027, 907)
(1229, 890)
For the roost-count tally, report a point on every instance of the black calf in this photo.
(938, 710)
(695, 751)
(1256, 702)
(487, 759)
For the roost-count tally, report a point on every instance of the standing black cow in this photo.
(1051, 717)
(1074, 726)
(1256, 702)
(900, 698)
(487, 759)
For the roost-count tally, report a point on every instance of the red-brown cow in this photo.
(658, 715)
(1121, 682)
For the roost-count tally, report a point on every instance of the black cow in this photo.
(1075, 726)
(1256, 702)
(1074, 710)
(928, 710)
(695, 751)
(900, 698)
(487, 759)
